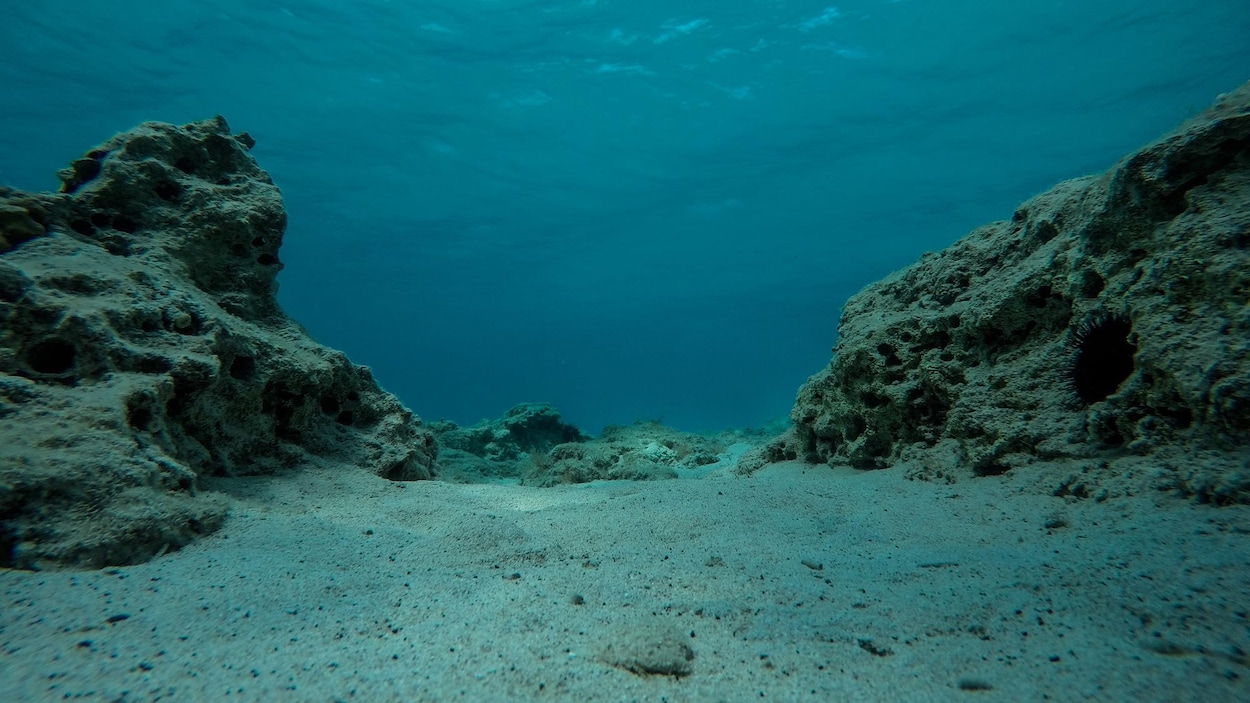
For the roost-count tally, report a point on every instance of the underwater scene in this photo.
(592, 350)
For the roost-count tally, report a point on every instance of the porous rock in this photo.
(501, 448)
(1107, 322)
(527, 427)
(782, 446)
(142, 348)
(533, 444)
(642, 451)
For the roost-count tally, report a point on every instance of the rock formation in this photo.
(1104, 329)
(532, 444)
(501, 448)
(142, 347)
(643, 451)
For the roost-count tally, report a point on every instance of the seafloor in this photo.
(800, 583)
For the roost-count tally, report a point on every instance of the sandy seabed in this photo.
(799, 583)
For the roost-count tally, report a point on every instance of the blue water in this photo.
(630, 208)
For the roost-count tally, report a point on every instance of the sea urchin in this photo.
(1102, 356)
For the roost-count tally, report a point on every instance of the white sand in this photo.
(336, 585)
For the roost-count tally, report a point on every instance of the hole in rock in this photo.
(329, 404)
(1092, 284)
(1102, 357)
(168, 191)
(51, 356)
(121, 223)
(243, 367)
(138, 414)
(991, 470)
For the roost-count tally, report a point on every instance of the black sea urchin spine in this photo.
(1102, 356)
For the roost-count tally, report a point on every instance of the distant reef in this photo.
(1099, 340)
(532, 445)
(142, 347)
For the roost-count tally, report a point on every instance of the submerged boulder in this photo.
(142, 348)
(642, 451)
(533, 445)
(1107, 320)
(502, 448)
(525, 428)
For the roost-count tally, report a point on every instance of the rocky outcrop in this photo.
(525, 428)
(142, 348)
(1104, 328)
(643, 451)
(531, 444)
(501, 448)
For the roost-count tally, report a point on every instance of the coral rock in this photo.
(980, 356)
(142, 348)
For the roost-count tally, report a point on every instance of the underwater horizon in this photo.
(630, 210)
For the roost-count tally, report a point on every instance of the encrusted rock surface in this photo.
(501, 448)
(142, 348)
(1104, 329)
(532, 444)
(526, 427)
(642, 451)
